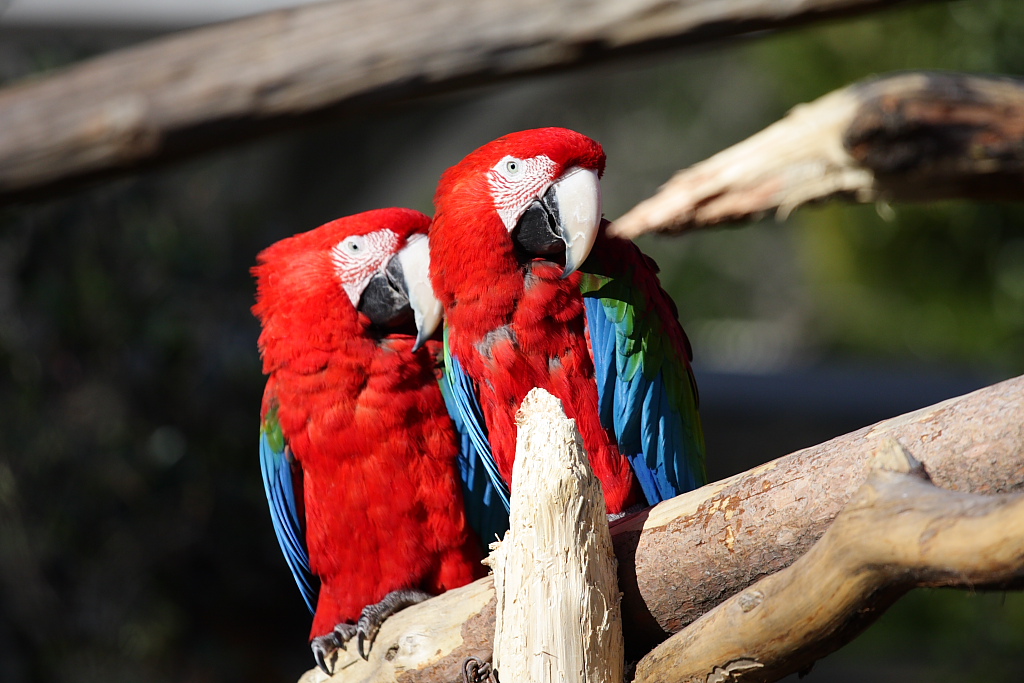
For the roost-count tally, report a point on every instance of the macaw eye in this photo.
(513, 166)
(354, 245)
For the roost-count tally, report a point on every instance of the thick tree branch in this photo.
(681, 558)
(214, 86)
(908, 137)
(898, 531)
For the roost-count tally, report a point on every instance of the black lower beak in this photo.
(385, 300)
(539, 230)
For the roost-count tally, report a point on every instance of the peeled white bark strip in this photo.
(558, 615)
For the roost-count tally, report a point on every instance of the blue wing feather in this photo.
(284, 511)
(646, 396)
(486, 509)
(602, 342)
(476, 459)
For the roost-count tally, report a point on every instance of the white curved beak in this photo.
(578, 196)
(426, 309)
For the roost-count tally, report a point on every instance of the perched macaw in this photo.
(361, 461)
(535, 293)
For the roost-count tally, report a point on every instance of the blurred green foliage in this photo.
(133, 382)
(940, 283)
(936, 635)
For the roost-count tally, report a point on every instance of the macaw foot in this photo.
(475, 670)
(374, 615)
(616, 516)
(325, 648)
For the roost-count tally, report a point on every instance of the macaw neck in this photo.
(534, 292)
(481, 278)
(473, 265)
(302, 333)
(325, 397)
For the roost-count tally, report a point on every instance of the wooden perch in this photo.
(897, 532)
(218, 85)
(681, 558)
(558, 616)
(907, 137)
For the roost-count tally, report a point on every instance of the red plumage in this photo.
(364, 417)
(513, 323)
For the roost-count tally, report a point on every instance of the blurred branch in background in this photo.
(908, 137)
(213, 86)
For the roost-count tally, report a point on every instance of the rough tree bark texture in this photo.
(908, 137)
(758, 522)
(213, 86)
(558, 616)
(897, 532)
(681, 558)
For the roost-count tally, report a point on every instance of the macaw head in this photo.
(367, 273)
(537, 191)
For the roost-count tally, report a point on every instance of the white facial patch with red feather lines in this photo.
(515, 183)
(357, 257)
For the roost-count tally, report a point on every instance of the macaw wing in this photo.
(486, 508)
(486, 493)
(280, 473)
(646, 388)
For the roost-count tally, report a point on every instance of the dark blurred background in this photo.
(135, 542)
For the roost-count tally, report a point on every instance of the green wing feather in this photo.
(647, 392)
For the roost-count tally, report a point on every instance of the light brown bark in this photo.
(898, 531)
(214, 86)
(681, 558)
(907, 137)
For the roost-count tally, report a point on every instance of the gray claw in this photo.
(362, 640)
(326, 647)
(323, 648)
(374, 615)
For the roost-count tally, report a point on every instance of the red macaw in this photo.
(514, 222)
(361, 461)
